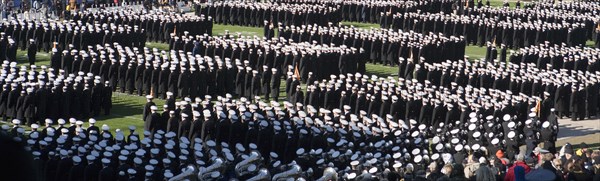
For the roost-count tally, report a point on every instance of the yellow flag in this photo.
(538, 107)
(297, 72)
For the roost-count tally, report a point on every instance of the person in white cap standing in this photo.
(29, 106)
(147, 107)
(31, 51)
(107, 173)
(152, 121)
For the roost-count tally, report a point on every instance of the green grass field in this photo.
(127, 110)
(219, 29)
(360, 25)
(381, 70)
(160, 46)
(475, 52)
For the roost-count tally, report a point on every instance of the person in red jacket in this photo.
(510, 174)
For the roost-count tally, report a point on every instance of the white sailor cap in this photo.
(473, 120)
(168, 175)
(476, 134)
(546, 124)
(511, 124)
(472, 127)
(511, 134)
(475, 147)
(418, 159)
(495, 141)
(506, 117)
(131, 171)
(472, 115)
(458, 147)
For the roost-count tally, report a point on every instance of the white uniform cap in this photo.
(476, 147)
(472, 127)
(458, 147)
(76, 159)
(418, 159)
(506, 117)
(546, 124)
(511, 124)
(511, 134)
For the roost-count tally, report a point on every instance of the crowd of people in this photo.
(159, 26)
(479, 29)
(278, 53)
(32, 95)
(442, 117)
(555, 57)
(213, 68)
(381, 46)
(256, 140)
(371, 11)
(45, 35)
(253, 14)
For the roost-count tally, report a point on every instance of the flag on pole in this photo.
(538, 107)
(296, 72)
